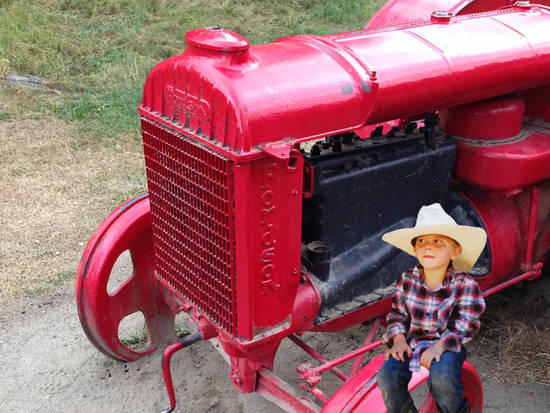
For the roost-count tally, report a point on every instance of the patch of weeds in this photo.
(63, 276)
(135, 340)
(181, 332)
(35, 290)
(5, 116)
(19, 169)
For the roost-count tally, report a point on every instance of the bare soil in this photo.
(49, 365)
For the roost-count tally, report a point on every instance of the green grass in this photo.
(99, 52)
(37, 290)
(62, 276)
(181, 332)
(135, 340)
(108, 112)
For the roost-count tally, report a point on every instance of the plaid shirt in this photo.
(449, 313)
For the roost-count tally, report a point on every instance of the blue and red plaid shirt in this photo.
(449, 313)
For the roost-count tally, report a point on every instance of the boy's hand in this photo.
(397, 351)
(434, 352)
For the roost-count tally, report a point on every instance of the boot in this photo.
(464, 409)
(408, 407)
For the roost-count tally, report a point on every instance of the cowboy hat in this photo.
(432, 219)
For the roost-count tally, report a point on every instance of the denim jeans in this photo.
(445, 383)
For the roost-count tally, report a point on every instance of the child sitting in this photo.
(435, 310)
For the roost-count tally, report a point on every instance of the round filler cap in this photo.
(217, 39)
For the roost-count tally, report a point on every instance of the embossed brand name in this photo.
(267, 255)
(183, 102)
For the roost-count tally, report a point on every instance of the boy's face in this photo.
(435, 251)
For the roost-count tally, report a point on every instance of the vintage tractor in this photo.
(260, 237)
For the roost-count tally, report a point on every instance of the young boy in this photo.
(435, 310)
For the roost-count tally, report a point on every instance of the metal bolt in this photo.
(303, 367)
(313, 381)
(315, 150)
(441, 13)
(441, 16)
(525, 4)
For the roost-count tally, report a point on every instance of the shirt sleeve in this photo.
(464, 322)
(398, 318)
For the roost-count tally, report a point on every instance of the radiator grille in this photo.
(190, 188)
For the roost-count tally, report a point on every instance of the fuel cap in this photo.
(217, 39)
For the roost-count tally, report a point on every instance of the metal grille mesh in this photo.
(190, 189)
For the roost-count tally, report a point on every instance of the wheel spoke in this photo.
(141, 252)
(158, 316)
(125, 300)
(160, 327)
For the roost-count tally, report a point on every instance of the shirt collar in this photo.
(418, 271)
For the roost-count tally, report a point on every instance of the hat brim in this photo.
(471, 239)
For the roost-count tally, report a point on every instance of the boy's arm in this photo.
(464, 322)
(398, 317)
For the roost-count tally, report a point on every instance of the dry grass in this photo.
(514, 341)
(55, 191)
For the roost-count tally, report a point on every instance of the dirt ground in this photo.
(48, 365)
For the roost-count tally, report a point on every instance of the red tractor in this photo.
(259, 237)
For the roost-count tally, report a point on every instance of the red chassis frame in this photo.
(256, 147)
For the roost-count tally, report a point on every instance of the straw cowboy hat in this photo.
(432, 219)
